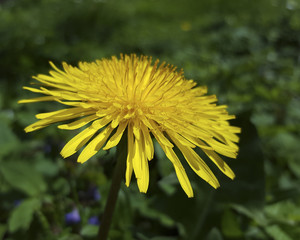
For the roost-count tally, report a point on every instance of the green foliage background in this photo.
(246, 52)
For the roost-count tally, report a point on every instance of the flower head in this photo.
(149, 100)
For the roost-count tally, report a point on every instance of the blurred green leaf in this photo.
(255, 214)
(89, 230)
(151, 213)
(22, 215)
(70, 237)
(277, 233)
(8, 140)
(214, 234)
(142, 237)
(284, 212)
(169, 183)
(23, 177)
(230, 226)
(3, 229)
(164, 238)
(46, 166)
(61, 186)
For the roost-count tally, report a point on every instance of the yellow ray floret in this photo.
(131, 97)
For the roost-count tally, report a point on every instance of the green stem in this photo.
(119, 172)
(45, 224)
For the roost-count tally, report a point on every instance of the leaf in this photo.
(46, 166)
(3, 229)
(69, 236)
(8, 140)
(141, 236)
(230, 225)
(284, 212)
(164, 238)
(22, 177)
(61, 186)
(144, 207)
(169, 184)
(22, 215)
(255, 214)
(277, 233)
(89, 230)
(214, 234)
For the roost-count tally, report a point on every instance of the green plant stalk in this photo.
(45, 224)
(119, 173)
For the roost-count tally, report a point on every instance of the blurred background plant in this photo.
(246, 52)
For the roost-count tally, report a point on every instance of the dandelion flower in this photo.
(108, 96)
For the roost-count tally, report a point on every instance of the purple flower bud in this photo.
(72, 217)
(94, 220)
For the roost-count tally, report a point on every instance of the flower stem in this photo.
(119, 172)
(45, 224)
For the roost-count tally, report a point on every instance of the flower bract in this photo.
(108, 97)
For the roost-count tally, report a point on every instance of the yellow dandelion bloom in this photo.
(108, 96)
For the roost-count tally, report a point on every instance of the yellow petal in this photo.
(146, 121)
(78, 104)
(117, 120)
(102, 122)
(78, 123)
(196, 141)
(46, 78)
(34, 90)
(159, 135)
(140, 164)
(136, 161)
(40, 124)
(53, 119)
(67, 95)
(38, 99)
(95, 145)
(181, 139)
(55, 68)
(222, 148)
(115, 139)
(143, 180)
(180, 172)
(130, 146)
(60, 113)
(197, 164)
(184, 181)
(148, 142)
(106, 112)
(219, 162)
(136, 130)
(78, 141)
(59, 85)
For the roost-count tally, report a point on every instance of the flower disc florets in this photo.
(110, 96)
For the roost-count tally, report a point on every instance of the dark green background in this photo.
(247, 53)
